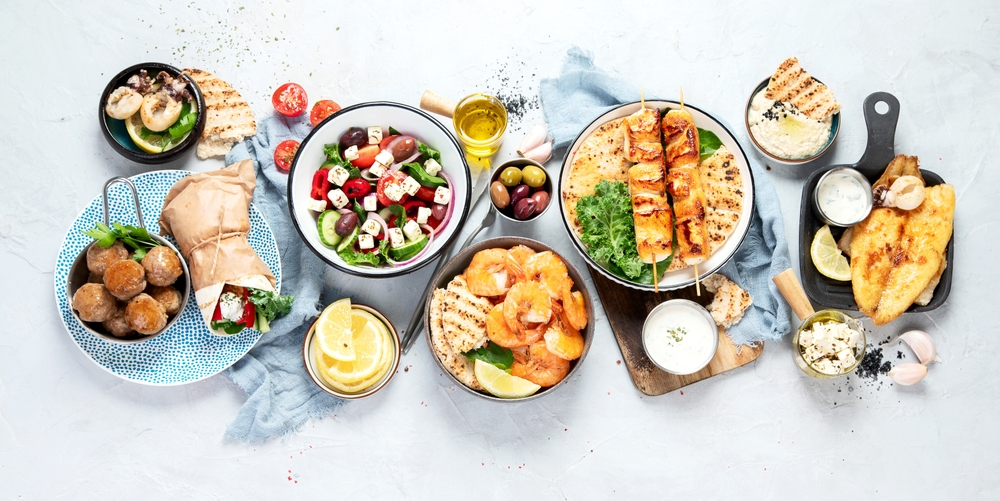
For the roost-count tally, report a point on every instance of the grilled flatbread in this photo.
(464, 316)
(723, 185)
(791, 84)
(601, 156)
(730, 300)
(456, 363)
(228, 118)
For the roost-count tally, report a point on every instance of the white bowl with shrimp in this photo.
(409, 121)
(457, 266)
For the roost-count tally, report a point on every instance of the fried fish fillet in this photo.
(921, 249)
(601, 156)
(873, 243)
(456, 363)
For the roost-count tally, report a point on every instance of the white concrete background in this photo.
(69, 430)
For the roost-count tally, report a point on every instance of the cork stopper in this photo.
(438, 104)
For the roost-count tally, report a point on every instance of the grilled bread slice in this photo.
(464, 316)
(791, 84)
(730, 301)
(601, 156)
(456, 363)
(723, 186)
(228, 118)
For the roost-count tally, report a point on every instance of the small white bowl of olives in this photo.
(521, 189)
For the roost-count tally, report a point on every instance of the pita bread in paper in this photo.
(208, 214)
(228, 118)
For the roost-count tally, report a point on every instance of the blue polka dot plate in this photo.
(187, 351)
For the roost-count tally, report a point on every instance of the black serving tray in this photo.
(879, 152)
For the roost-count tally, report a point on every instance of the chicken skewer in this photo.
(681, 155)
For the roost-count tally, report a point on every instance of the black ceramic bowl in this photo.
(117, 135)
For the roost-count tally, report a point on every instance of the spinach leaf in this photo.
(184, 123)
(710, 143)
(494, 354)
(393, 132)
(400, 213)
(360, 211)
(428, 152)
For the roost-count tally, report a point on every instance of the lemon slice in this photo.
(334, 334)
(369, 346)
(501, 384)
(322, 364)
(152, 143)
(827, 258)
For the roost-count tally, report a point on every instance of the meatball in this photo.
(145, 314)
(94, 303)
(162, 266)
(125, 279)
(99, 258)
(117, 325)
(168, 297)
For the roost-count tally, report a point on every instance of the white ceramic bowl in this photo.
(771, 157)
(405, 119)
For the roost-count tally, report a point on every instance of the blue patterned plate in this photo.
(187, 351)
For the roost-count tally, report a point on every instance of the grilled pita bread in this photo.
(730, 300)
(456, 363)
(228, 118)
(791, 84)
(723, 185)
(601, 156)
(464, 316)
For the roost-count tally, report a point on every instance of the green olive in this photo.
(510, 177)
(533, 176)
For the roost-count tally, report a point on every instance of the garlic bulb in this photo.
(922, 345)
(541, 153)
(906, 193)
(533, 139)
(907, 374)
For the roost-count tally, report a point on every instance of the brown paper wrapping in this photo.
(209, 215)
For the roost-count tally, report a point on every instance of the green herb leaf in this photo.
(360, 211)
(105, 236)
(608, 227)
(353, 257)
(400, 213)
(333, 157)
(494, 354)
(353, 172)
(710, 143)
(184, 123)
(393, 132)
(428, 152)
(227, 326)
(269, 304)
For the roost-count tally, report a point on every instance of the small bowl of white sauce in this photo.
(843, 197)
(680, 337)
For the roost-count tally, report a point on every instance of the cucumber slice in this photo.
(409, 249)
(327, 228)
(349, 239)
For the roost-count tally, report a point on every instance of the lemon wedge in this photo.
(827, 258)
(152, 143)
(334, 333)
(501, 384)
(324, 363)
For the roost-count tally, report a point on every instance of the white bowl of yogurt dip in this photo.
(680, 337)
(784, 135)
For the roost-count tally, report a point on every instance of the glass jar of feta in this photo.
(829, 344)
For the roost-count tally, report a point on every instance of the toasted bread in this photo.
(228, 118)
(723, 185)
(791, 84)
(601, 156)
(464, 316)
(456, 363)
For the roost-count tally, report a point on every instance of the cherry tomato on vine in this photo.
(290, 100)
(284, 154)
(322, 109)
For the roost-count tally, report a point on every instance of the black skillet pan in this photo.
(878, 154)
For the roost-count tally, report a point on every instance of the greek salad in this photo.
(380, 197)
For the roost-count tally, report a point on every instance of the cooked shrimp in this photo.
(542, 367)
(160, 110)
(521, 253)
(492, 272)
(574, 309)
(123, 103)
(563, 340)
(501, 334)
(547, 269)
(526, 303)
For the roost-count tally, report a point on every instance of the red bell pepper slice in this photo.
(357, 188)
(249, 317)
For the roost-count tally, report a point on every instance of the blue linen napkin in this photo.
(584, 92)
(281, 397)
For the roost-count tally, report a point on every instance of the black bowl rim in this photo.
(360, 272)
(152, 158)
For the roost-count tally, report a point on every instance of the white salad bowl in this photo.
(407, 120)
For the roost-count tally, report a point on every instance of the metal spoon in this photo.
(414, 327)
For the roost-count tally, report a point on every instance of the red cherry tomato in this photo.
(390, 177)
(290, 100)
(322, 109)
(285, 153)
(386, 140)
(357, 188)
(426, 194)
(366, 156)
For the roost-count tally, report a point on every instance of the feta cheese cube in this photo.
(432, 167)
(366, 241)
(371, 227)
(377, 169)
(338, 175)
(396, 237)
(410, 186)
(385, 158)
(371, 203)
(412, 230)
(338, 198)
(442, 195)
(316, 205)
(374, 135)
(351, 153)
(395, 192)
(423, 214)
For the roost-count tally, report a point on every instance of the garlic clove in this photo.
(907, 374)
(533, 139)
(907, 192)
(921, 344)
(541, 153)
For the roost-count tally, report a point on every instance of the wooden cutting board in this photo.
(626, 310)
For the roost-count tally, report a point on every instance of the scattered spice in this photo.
(872, 366)
(518, 96)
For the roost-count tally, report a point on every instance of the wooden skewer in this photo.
(682, 98)
(656, 283)
(697, 283)
(642, 98)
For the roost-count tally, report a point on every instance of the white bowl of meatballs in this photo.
(124, 299)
